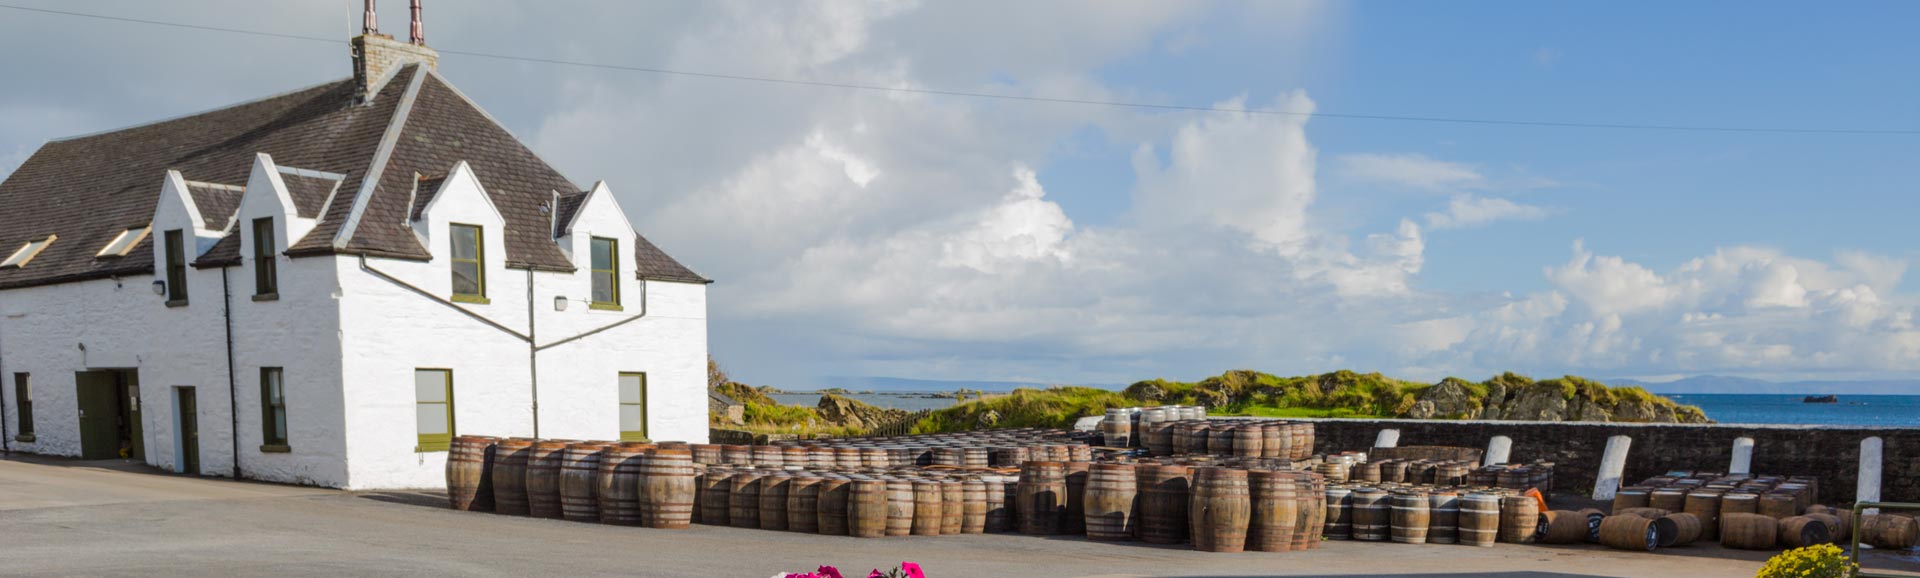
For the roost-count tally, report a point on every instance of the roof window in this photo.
(27, 252)
(124, 243)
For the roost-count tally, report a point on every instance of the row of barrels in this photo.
(1250, 438)
(888, 456)
(1711, 498)
(1749, 530)
(865, 505)
(1427, 515)
(1215, 508)
(1354, 467)
(1127, 427)
(634, 484)
(1419, 471)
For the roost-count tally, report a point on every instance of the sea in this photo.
(1874, 410)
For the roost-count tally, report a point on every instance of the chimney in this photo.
(376, 55)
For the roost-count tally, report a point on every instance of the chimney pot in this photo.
(418, 34)
(368, 23)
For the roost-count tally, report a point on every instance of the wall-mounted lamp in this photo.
(560, 303)
(159, 287)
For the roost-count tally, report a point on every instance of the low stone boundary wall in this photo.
(1830, 452)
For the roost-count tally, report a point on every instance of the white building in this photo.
(320, 287)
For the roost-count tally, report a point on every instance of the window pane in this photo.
(432, 418)
(629, 389)
(629, 418)
(603, 287)
(280, 424)
(466, 278)
(430, 386)
(602, 254)
(466, 242)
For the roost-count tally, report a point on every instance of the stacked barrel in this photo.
(624, 483)
(1256, 438)
(1427, 514)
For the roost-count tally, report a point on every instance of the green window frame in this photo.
(176, 268)
(469, 269)
(605, 270)
(273, 410)
(23, 402)
(266, 270)
(633, 407)
(433, 409)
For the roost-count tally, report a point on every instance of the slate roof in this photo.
(87, 189)
(217, 203)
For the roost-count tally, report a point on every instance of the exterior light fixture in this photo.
(159, 287)
(560, 303)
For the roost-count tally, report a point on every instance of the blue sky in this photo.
(939, 237)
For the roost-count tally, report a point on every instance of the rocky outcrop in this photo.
(851, 413)
(1452, 398)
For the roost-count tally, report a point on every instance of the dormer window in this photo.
(27, 252)
(124, 242)
(605, 272)
(266, 270)
(176, 256)
(469, 263)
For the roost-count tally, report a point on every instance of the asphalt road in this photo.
(79, 519)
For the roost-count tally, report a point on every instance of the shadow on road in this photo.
(435, 500)
(1434, 575)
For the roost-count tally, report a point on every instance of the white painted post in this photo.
(1388, 438)
(1498, 450)
(1868, 489)
(1613, 465)
(1742, 456)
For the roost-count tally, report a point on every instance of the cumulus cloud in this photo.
(1467, 211)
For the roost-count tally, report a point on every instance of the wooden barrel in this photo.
(1111, 492)
(803, 504)
(1669, 499)
(1748, 531)
(1627, 498)
(1309, 493)
(1705, 506)
(666, 488)
(1479, 519)
(510, 475)
(976, 458)
(1838, 520)
(1411, 515)
(926, 508)
(1444, 525)
(767, 456)
(973, 508)
(618, 486)
(1368, 472)
(1372, 514)
(470, 473)
(1220, 440)
(899, 507)
(580, 481)
(1519, 519)
(708, 454)
(953, 504)
(1338, 524)
(846, 458)
(835, 504)
(1249, 441)
(1275, 511)
(543, 478)
(1000, 516)
(1648, 513)
(1565, 527)
(1160, 439)
(1629, 533)
(1739, 503)
(1889, 531)
(1802, 531)
(866, 515)
(1779, 506)
(949, 456)
(773, 500)
(743, 499)
(1190, 438)
(1303, 439)
(1274, 442)
(1163, 493)
(1043, 495)
(716, 488)
(1219, 512)
(1681, 529)
(736, 455)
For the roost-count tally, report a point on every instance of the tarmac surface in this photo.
(72, 518)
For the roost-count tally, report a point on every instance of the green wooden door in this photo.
(99, 415)
(189, 432)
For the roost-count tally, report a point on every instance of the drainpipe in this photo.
(5, 440)
(533, 358)
(233, 381)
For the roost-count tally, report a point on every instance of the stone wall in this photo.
(1830, 452)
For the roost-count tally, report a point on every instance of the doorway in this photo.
(110, 427)
(187, 421)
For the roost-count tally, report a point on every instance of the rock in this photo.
(1448, 399)
(988, 419)
(854, 414)
(1538, 402)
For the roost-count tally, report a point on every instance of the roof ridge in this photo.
(222, 108)
(370, 182)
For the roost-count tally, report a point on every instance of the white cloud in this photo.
(1411, 171)
(1467, 211)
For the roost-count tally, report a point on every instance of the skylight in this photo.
(124, 243)
(27, 252)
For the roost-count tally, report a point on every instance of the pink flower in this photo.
(828, 572)
(876, 574)
(912, 570)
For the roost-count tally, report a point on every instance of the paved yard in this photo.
(75, 519)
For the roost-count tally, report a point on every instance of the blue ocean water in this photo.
(1884, 410)
(1889, 410)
